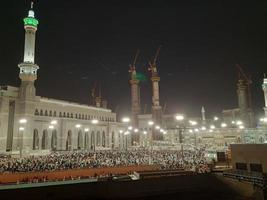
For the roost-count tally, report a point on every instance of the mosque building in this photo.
(33, 124)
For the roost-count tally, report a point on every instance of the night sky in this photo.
(80, 42)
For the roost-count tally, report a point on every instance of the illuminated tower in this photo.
(203, 116)
(156, 108)
(28, 68)
(135, 99)
(264, 87)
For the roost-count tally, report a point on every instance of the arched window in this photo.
(64, 114)
(82, 116)
(50, 113)
(103, 139)
(60, 114)
(41, 112)
(55, 114)
(35, 144)
(79, 116)
(80, 140)
(86, 141)
(46, 113)
(71, 115)
(69, 141)
(92, 140)
(98, 138)
(112, 139)
(45, 139)
(54, 140)
(36, 112)
(68, 115)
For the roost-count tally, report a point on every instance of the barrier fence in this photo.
(8, 178)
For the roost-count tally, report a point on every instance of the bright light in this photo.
(126, 133)
(94, 121)
(223, 125)
(86, 130)
(203, 128)
(145, 132)
(165, 132)
(23, 121)
(216, 118)
(78, 125)
(121, 131)
(136, 130)
(130, 128)
(161, 130)
(233, 122)
(179, 117)
(239, 123)
(157, 127)
(241, 127)
(190, 131)
(21, 128)
(125, 119)
(193, 123)
(210, 130)
(150, 123)
(54, 122)
(264, 119)
(212, 126)
(51, 127)
(196, 130)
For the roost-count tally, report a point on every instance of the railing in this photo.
(242, 175)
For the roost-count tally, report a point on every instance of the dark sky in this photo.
(79, 42)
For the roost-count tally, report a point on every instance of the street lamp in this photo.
(53, 122)
(125, 119)
(78, 125)
(150, 123)
(179, 117)
(95, 121)
(215, 118)
(223, 125)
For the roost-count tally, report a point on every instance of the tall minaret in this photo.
(243, 101)
(156, 108)
(264, 87)
(203, 116)
(28, 68)
(135, 98)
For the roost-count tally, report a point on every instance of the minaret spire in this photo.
(156, 108)
(32, 5)
(203, 115)
(28, 68)
(264, 88)
(135, 97)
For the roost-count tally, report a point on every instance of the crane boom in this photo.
(156, 55)
(135, 57)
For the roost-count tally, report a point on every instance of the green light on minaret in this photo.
(29, 21)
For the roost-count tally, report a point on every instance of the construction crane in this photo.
(132, 66)
(152, 66)
(248, 82)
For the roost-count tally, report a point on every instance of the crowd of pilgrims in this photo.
(188, 160)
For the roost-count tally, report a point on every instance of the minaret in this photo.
(28, 68)
(203, 115)
(156, 108)
(135, 98)
(264, 87)
(98, 99)
(243, 102)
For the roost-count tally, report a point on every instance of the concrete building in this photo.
(249, 157)
(34, 124)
